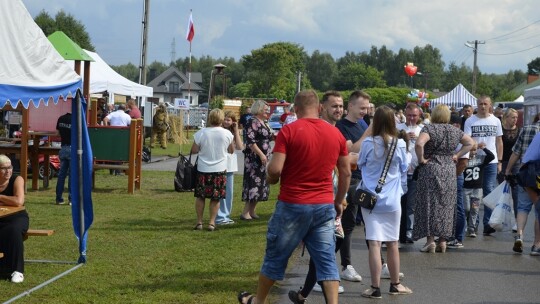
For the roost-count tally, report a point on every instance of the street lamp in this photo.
(218, 70)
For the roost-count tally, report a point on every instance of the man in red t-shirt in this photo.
(304, 156)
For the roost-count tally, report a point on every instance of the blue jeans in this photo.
(489, 183)
(292, 223)
(225, 205)
(460, 211)
(65, 158)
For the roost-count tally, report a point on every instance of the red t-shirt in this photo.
(312, 147)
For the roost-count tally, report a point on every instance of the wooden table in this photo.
(9, 210)
(35, 151)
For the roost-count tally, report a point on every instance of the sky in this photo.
(233, 28)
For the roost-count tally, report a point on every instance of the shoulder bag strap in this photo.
(382, 180)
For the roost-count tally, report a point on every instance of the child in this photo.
(472, 186)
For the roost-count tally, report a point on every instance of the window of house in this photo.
(174, 86)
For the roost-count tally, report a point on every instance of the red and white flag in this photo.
(190, 29)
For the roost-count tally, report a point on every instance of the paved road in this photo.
(484, 271)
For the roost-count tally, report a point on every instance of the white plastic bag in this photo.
(502, 217)
(493, 198)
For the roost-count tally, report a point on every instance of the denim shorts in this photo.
(292, 223)
(524, 204)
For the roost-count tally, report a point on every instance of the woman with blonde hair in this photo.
(14, 226)
(510, 135)
(436, 203)
(258, 137)
(225, 206)
(213, 143)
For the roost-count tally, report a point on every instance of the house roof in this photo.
(172, 72)
(520, 89)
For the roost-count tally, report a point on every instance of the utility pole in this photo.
(144, 43)
(475, 67)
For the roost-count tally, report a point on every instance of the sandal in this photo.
(395, 291)
(294, 296)
(243, 295)
(198, 226)
(373, 293)
(211, 227)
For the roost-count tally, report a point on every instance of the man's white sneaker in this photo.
(17, 277)
(318, 288)
(349, 274)
(385, 272)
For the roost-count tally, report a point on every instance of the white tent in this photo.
(531, 106)
(104, 78)
(520, 99)
(30, 67)
(457, 98)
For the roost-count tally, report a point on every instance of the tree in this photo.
(129, 71)
(66, 23)
(456, 75)
(321, 70)
(272, 69)
(533, 67)
(356, 76)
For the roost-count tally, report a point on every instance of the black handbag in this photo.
(367, 199)
(185, 177)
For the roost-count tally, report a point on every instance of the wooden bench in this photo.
(38, 232)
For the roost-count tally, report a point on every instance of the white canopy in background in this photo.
(531, 106)
(457, 98)
(104, 78)
(520, 99)
(30, 67)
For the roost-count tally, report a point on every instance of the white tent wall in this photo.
(104, 78)
(531, 106)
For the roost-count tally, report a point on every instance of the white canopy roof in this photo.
(30, 67)
(458, 97)
(104, 78)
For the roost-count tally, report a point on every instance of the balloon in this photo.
(410, 69)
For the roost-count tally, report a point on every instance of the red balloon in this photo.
(410, 70)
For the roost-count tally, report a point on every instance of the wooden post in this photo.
(138, 158)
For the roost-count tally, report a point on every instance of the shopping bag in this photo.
(502, 216)
(493, 198)
(185, 176)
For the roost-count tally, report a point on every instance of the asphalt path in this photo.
(485, 270)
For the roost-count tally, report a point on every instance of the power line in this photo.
(517, 40)
(504, 35)
(512, 53)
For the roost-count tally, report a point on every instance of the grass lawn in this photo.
(141, 247)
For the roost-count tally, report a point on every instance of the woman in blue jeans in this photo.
(225, 206)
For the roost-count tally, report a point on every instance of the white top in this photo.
(213, 143)
(371, 164)
(413, 158)
(119, 118)
(484, 130)
(232, 162)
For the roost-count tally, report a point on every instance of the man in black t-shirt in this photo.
(63, 128)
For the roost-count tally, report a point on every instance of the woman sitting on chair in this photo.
(14, 226)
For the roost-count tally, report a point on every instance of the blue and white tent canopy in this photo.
(30, 68)
(456, 98)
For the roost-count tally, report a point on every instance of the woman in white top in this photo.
(213, 143)
(225, 206)
(382, 223)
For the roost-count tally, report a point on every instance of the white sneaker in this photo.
(318, 288)
(385, 273)
(349, 274)
(17, 277)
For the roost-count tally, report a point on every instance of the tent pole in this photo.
(82, 259)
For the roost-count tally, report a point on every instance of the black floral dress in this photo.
(436, 193)
(255, 188)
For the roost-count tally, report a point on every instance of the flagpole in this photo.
(189, 36)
